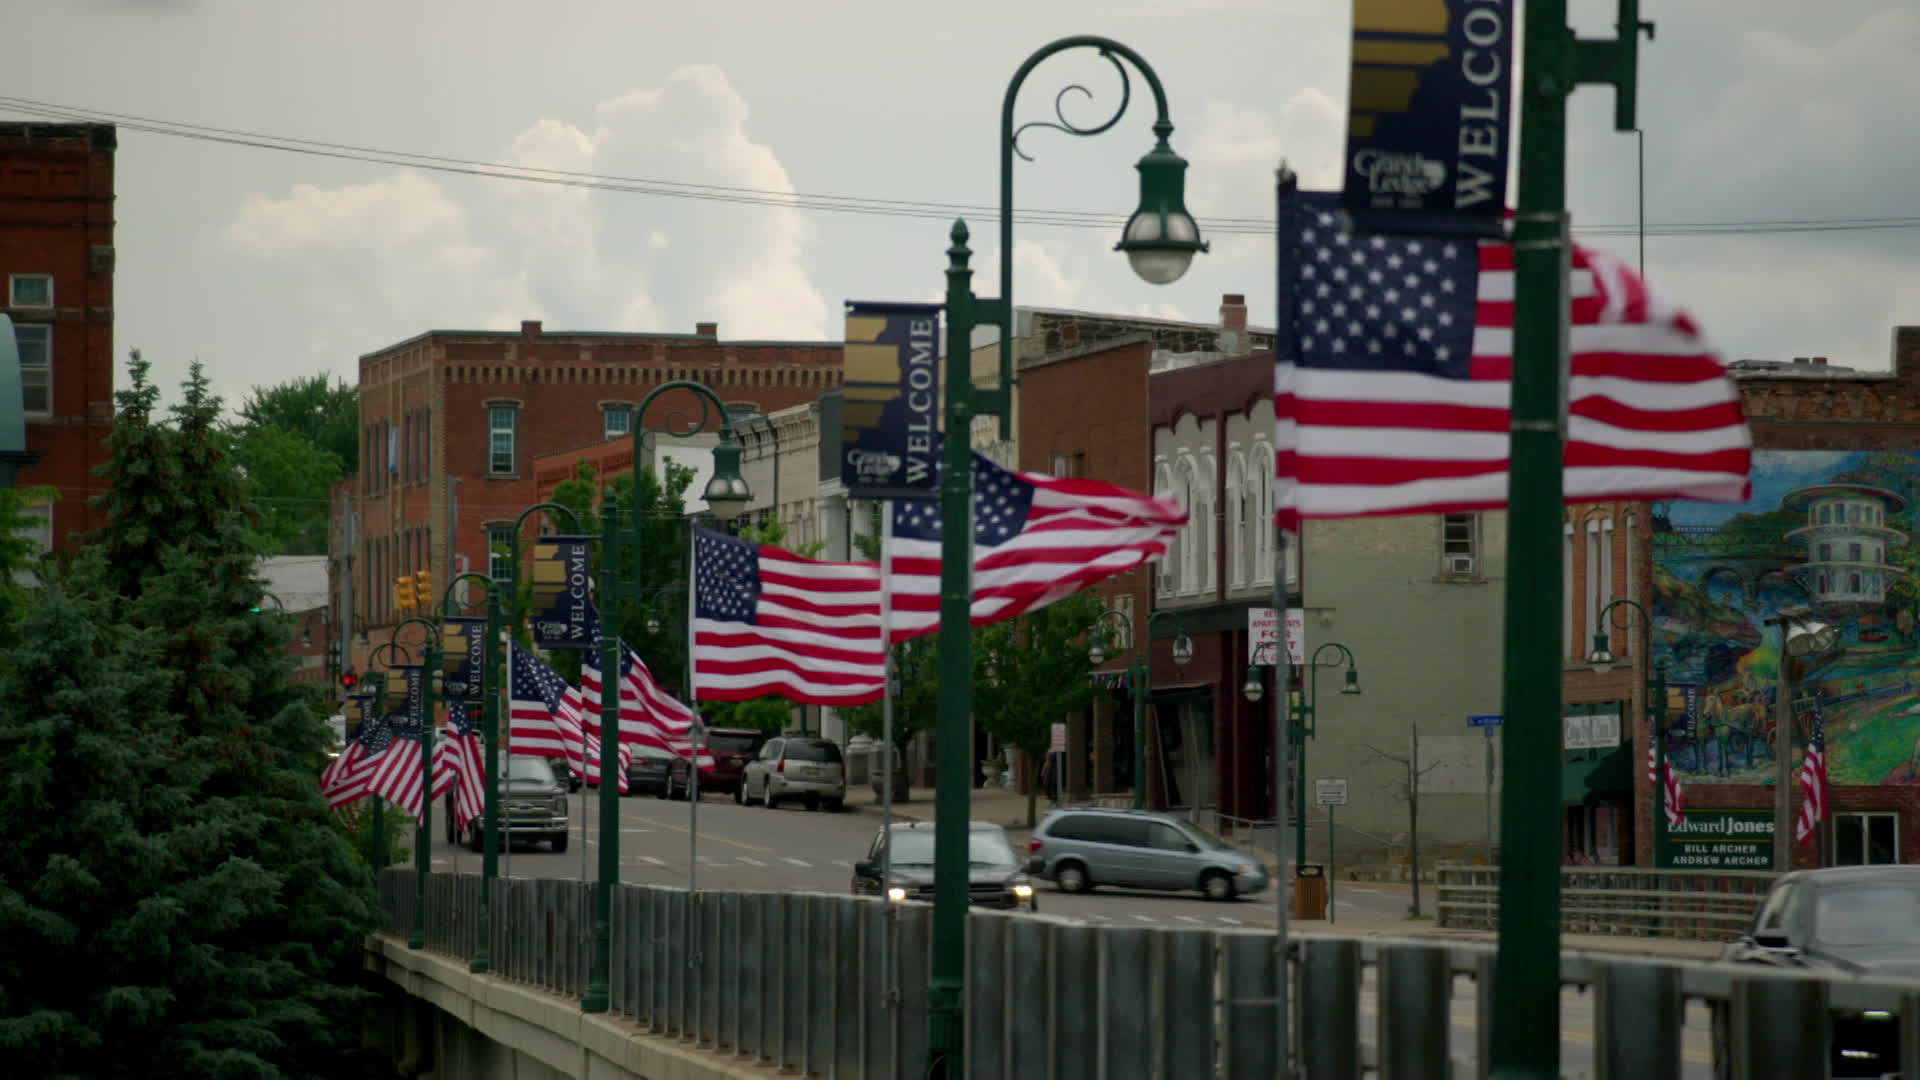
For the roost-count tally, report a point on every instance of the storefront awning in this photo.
(1606, 778)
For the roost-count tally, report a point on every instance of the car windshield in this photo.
(643, 752)
(809, 750)
(1208, 838)
(730, 743)
(985, 848)
(1867, 915)
(529, 768)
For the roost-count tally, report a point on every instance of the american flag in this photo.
(1036, 539)
(459, 762)
(1394, 396)
(544, 717)
(1675, 799)
(1813, 779)
(767, 621)
(337, 781)
(648, 714)
(391, 767)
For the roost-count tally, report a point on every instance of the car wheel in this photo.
(740, 795)
(559, 843)
(834, 806)
(812, 803)
(1216, 885)
(1071, 877)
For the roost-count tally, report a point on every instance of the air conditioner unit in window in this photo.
(1459, 564)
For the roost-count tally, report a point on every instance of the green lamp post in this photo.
(1305, 713)
(377, 695)
(490, 680)
(423, 839)
(727, 495)
(1139, 675)
(1160, 241)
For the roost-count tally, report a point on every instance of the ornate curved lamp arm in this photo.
(446, 599)
(1124, 635)
(432, 629)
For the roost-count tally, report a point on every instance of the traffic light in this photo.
(348, 680)
(423, 588)
(403, 592)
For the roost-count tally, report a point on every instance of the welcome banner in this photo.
(892, 401)
(562, 611)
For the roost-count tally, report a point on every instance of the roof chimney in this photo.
(706, 329)
(1233, 325)
(530, 329)
(1820, 361)
(1802, 360)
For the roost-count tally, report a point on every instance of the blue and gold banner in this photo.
(411, 710)
(1429, 109)
(889, 435)
(562, 593)
(463, 646)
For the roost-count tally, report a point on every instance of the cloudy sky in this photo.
(266, 264)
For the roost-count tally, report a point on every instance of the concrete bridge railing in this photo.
(835, 986)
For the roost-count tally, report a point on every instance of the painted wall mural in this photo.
(1836, 532)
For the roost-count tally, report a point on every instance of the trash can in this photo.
(1310, 891)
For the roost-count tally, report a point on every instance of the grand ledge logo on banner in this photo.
(1430, 108)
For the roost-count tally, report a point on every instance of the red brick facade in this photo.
(56, 222)
(425, 409)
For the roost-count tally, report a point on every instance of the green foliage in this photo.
(175, 897)
(19, 557)
(771, 714)
(294, 440)
(1030, 672)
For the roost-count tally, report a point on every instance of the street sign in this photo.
(1263, 629)
(1484, 721)
(1057, 743)
(1330, 791)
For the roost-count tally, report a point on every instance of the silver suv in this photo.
(1079, 848)
(802, 767)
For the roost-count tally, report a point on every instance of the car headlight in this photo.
(1024, 892)
(1244, 868)
(559, 804)
(896, 893)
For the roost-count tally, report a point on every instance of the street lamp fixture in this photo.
(653, 624)
(727, 493)
(1161, 238)
(1353, 682)
(1601, 658)
(1182, 648)
(1255, 687)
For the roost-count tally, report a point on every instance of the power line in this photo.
(828, 203)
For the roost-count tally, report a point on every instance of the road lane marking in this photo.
(751, 862)
(795, 862)
(649, 859)
(842, 862)
(704, 836)
(1186, 918)
(1145, 918)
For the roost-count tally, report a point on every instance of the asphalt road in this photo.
(791, 848)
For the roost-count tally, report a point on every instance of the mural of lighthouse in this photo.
(1828, 530)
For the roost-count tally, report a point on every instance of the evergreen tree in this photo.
(1030, 672)
(175, 897)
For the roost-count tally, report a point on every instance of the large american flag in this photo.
(1394, 395)
(338, 783)
(459, 762)
(1814, 790)
(1674, 799)
(391, 767)
(544, 716)
(767, 621)
(1036, 539)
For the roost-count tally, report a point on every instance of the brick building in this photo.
(453, 422)
(56, 269)
(1831, 527)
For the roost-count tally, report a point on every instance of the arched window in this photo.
(1853, 584)
(1191, 538)
(1163, 487)
(1239, 519)
(1204, 490)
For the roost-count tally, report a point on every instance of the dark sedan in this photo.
(1855, 920)
(995, 877)
(648, 770)
(731, 749)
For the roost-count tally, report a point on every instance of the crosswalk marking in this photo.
(1230, 920)
(796, 862)
(1186, 918)
(751, 862)
(1145, 918)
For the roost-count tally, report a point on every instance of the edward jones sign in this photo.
(1719, 840)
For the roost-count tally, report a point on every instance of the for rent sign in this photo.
(1719, 840)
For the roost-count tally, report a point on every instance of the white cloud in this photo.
(580, 257)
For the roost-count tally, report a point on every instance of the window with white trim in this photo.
(1239, 520)
(502, 429)
(35, 342)
(1868, 839)
(1460, 544)
(1163, 488)
(499, 552)
(30, 290)
(616, 421)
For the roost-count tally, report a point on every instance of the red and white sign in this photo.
(1263, 629)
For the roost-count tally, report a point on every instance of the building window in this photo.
(1853, 584)
(36, 368)
(1866, 839)
(501, 422)
(1460, 544)
(30, 290)
(499, 552)
(1853, 552)
(1067, 466)
(616, 421)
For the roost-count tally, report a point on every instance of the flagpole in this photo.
(1284, 349)
(890, 989)
(694, 730)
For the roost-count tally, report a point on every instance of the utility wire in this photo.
(828, 203)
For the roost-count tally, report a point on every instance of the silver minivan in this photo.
(1082, 847)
